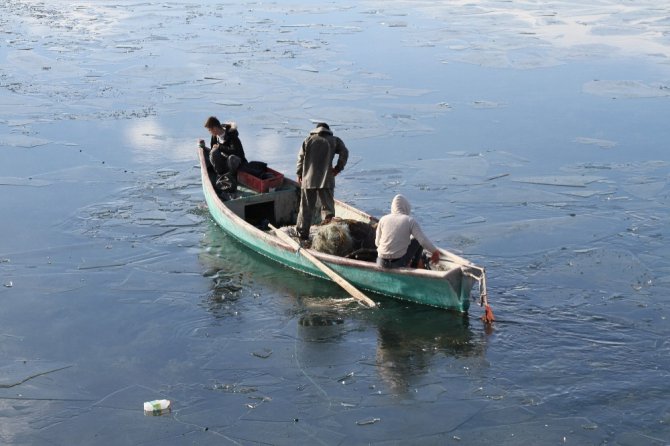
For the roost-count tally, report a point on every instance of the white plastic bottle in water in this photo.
(157, 407)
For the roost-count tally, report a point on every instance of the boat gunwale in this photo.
(275, 241)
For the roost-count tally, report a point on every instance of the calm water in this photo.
(530, 138)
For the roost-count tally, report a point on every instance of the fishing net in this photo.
(333, 239)
(341, 237)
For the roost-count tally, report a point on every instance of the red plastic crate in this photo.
(259, 185)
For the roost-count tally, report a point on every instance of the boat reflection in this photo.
(236, 270)
(409, 337)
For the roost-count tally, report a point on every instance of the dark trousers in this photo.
(308, 198)
(412, 256)
(225, 165)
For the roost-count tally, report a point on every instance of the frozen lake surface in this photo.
(531, 138)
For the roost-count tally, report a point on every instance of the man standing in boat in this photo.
(316, 175)
(226, 153)
(400, 240)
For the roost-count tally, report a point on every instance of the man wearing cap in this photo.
(316, 175)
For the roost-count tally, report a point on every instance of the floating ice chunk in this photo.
(31, 61)
(14, 181)
(263, 354)
(645, 188)
(474, 220)
(626, 89)
(309, 68)
(19, 122)
(228, 103)
(603, 143)
(486, 104)
(440, 170)
(584, 193)
(529, 58)
(458, 45)
(298, 25)
(561, 180)
(22, 141)
(368, 421)
(491, 59)
(584, 251)
(129, 47)
(510, 195)
(614, 31)
(405, 92)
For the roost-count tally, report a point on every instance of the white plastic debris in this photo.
(157, 407)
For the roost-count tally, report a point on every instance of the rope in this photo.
(488, 316)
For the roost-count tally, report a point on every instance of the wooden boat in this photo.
(448, 285)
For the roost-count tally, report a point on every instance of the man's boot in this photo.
(231, 183)
(221, 183)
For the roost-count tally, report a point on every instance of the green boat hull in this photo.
(449, 289)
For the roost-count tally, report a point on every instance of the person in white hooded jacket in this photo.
(399, 237)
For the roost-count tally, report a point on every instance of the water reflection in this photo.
(406, 340)
(236, 270)
(409, 339)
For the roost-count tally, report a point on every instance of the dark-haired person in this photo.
(226, 153)
(316, 175)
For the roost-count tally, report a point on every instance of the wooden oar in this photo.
(355, 293)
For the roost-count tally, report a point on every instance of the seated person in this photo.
(226, 154)
(399, 238)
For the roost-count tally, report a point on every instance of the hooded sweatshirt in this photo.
(394, 231)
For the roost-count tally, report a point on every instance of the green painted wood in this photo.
(444, 289)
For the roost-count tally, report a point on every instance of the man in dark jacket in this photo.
(316, 175)
(226, 153)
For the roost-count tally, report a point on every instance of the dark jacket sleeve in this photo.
(232, 144)
(342, 154)
(301, 159)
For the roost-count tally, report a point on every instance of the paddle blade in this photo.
(488, 316)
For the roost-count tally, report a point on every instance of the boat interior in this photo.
(279, 207)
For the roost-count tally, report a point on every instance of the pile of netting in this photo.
(334, 239)
(345, 238)
(341, 237)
